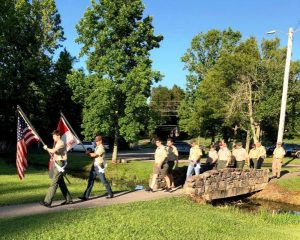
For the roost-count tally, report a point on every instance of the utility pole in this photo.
(285, 86)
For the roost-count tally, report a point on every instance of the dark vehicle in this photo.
(296, 152)
(290, 149)
(182, 147)
(270, 149)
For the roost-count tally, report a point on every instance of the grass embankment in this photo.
(175, 218)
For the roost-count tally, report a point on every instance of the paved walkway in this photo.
(120, 198)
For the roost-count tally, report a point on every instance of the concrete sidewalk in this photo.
(120, 198)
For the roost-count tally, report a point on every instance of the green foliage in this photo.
(239, 87)
(30, 33)
(142, 220)
(203, 54)
(164, 103)
(117, 40)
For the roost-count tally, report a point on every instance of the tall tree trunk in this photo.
(115, 149)
(248, 138)
(253, 124)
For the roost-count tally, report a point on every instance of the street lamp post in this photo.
(285, 84)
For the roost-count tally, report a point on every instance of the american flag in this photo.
(25, 136)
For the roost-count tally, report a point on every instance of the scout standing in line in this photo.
(240, 155)
(59, 156)
(159, 158)
(172, 159)
(262, 154)
(224, 156)
(278, 156)
(97, 169)
(212, 158)
(253, 157)
(194, 158)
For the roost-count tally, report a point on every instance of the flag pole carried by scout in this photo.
(72, 130)
(26, 135)
(29, 124)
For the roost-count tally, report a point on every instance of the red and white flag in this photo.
(25, 136)
(67, 136)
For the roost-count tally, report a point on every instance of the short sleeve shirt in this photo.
(100, 151)
(160, 154)
(213, 154)
(240, 154)
(253, 153)
(172, 154)
(279, 152)
(60, 151)
(224, 154)
(261, 151)
(195, 153)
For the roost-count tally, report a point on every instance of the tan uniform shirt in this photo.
(60, 151)
(172, 154)
(224, 154)
(261, 152)
(240, 154)
(100, 151)
(213, 154)
(195, 153)
(253, 153)
(160, 154)
(279, 152)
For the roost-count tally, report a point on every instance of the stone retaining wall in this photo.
(225, 183)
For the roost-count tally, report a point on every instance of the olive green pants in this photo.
(240, 164)
(57, 180)
(253, 163)
(221, 164)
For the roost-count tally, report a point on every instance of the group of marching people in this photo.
(218, 157)
(165, 160)
(59, 158)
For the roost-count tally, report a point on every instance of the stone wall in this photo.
(225, 183)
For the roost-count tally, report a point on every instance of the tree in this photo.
(30, 33)
(203, 54)
(240, 94)
(59, 93)
(117, 41)
(164, 103)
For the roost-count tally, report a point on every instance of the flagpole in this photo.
(72, 130)
(28, 122)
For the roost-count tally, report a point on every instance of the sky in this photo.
(180, 20)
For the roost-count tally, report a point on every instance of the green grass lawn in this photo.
(35, 185)
(175, 218)
(288, 160)
(292, 184)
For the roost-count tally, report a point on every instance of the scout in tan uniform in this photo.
(240, 155)
(212, 158)
(98, 169)
(172, 160)
(224, 156)
(278, 156)
(59, 157)
(194, 158)
(253, 157)
(160, 156)
(262, 154)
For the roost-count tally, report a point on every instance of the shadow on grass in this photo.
(16, 188)
(288, 162)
